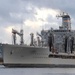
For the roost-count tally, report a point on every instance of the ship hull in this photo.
(26, 56)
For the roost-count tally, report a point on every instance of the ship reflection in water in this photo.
(36, 71)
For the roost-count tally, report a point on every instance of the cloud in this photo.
(41, 17)
(43, 13)
(33, 24)
(5, 37)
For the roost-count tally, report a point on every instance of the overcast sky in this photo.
(32, 15)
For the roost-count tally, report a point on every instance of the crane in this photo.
(18, 33)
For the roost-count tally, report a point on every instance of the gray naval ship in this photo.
(53, 48)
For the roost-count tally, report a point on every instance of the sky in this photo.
(32, 16)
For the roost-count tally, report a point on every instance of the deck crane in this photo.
(18, 33)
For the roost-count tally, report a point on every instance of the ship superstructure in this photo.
(62, 39)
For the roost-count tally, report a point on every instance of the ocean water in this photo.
(36, 71)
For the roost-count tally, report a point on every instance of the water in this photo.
(36, 71)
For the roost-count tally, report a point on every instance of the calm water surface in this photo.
(36, 71)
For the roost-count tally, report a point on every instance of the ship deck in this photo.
(62, 55)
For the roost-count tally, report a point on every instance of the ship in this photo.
(53, 48)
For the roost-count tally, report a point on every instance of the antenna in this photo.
(62, 14)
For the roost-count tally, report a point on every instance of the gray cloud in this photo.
(20, 7)
(15, 8)
(67, 5)
(13, 12)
